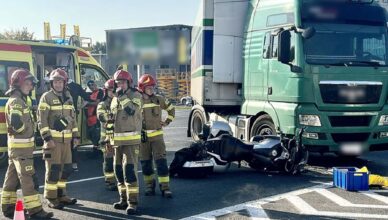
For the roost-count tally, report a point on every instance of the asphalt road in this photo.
(240, 193)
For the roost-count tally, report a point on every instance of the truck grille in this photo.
(350, 121)
(350, 92)
(350, 137)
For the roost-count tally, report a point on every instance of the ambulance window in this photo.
(91, 73)
(6, 70)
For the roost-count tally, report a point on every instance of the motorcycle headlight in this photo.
(310, 120)
(383, 120)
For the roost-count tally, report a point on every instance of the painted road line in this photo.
(306, 209)
(79, 181)
(345, 203)
(254, 207)
(376, 196)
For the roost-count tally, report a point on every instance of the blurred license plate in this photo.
(351, 148)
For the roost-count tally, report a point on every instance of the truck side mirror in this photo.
(284, 49)
(308, 33)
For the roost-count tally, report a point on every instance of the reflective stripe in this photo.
(170, 108)
(150, 105)
(8, 197)
(43, 106)
(109, 175)
(26, 111)
(32, 201)
(122, 188)
(13, 111)
(45, 129)
(136, 101)
(21, 140)
(124, 134)
(21, 145)
(61, 184)
(170, 117)
(20, 130)
(148, 178)
(126, 138)
(126, 101)
(59, 134)
(51, 186)
(64, 107)
(153, 133)
(132, 189)
(164, 179)
(74, 130)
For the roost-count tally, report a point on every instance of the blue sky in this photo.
(94, 17)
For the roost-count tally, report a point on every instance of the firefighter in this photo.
(126, 109)
(21, 130)
(106, 119)
(58, 127)
(153, 147)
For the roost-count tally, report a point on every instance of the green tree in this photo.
(99, 47)
(18, 34)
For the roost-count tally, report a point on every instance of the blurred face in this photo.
(27, 87)
(149, 90)
(58, 85)
(93, 86)
(122, 84)
(110, 93)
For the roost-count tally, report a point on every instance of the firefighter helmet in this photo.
(144, 81)
(17, 79)
(59, 74)
(109, 84)
(122, 75)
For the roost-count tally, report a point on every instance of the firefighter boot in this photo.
(55, 204)
(150, 188)
(9, 212)
(132, 209)
(65, 200)
(165, 189)
(122, 204)
(42, 215)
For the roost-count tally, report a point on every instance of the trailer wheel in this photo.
(198, 120)
(263, 125)
(3, 159)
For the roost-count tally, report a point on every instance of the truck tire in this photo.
(3, 159)
(198, 120)
(263, 125)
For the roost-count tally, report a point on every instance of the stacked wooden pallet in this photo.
(173, 85)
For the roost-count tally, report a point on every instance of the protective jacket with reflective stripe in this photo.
(54, 106)
(152, 114)
(104, 114)
(20, 122)
(127, 128)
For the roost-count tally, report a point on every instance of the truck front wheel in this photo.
(263, 125)
(198, 120)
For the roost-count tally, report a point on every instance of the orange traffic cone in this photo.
(19, 211)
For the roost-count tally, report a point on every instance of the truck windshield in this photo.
(347, 44)
(346, 33)
(6, 70)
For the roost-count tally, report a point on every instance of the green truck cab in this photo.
(40, 58)
(281, 65)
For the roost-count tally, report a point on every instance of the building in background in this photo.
(149, 49)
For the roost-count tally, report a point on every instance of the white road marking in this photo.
(376, 196)
(306, 209)
(345, 203)
(253, 207)
(256, 211)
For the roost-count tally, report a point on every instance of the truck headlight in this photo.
(383, 120)
(310, 120)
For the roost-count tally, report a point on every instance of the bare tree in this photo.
(17, 34)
